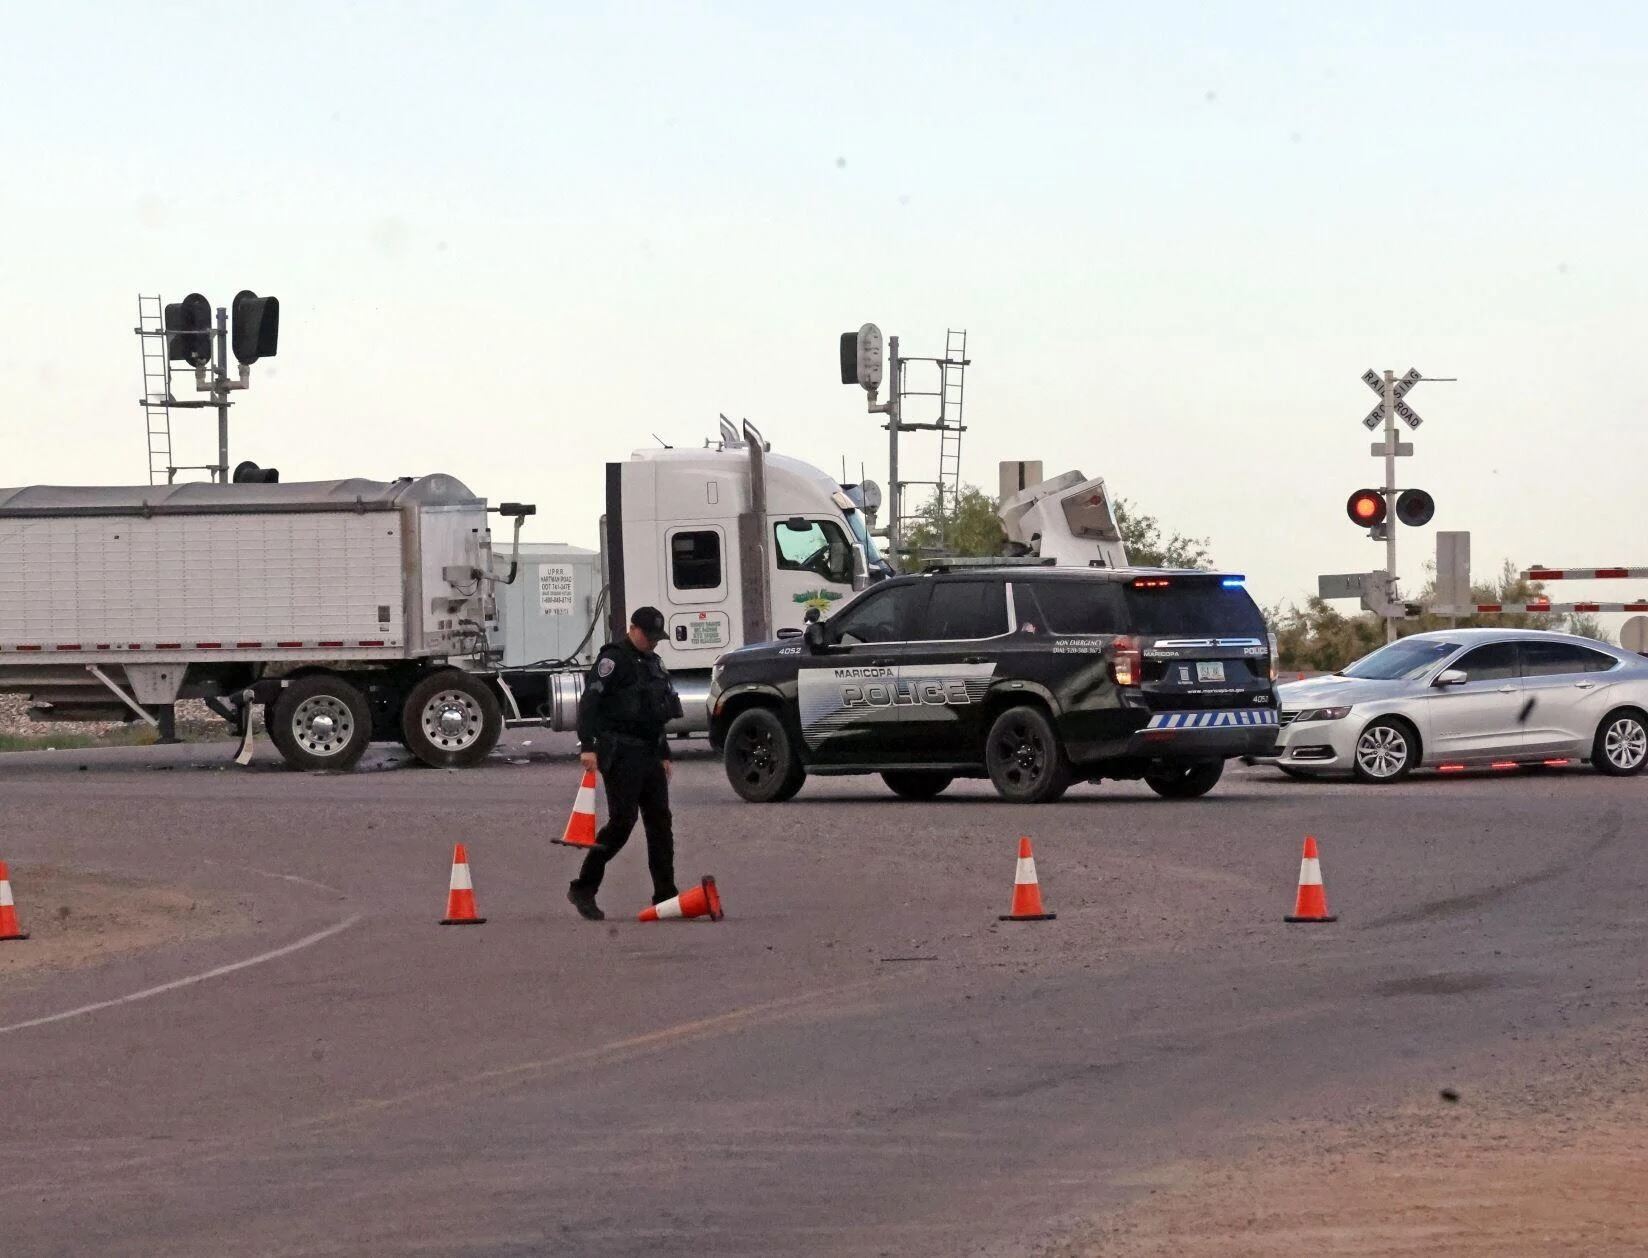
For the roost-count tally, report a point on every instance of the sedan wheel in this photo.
(1384, 752)
(1621, 747)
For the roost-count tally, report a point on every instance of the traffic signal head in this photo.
(256, 326)
(1415, 507)
(1366, 508)
(189, 328)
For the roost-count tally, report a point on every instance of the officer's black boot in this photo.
(584, 901)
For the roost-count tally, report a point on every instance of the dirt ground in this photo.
(1550, 1160)
(75, 918)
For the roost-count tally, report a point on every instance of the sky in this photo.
(513, 242)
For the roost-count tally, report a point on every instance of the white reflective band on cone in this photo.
(1310, 872)
(669, 908)
(460, 878)
(585, 801)
(5, 895)
(1026, 871)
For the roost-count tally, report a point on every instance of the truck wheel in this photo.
(916, 783)
(1024, 757)
(321, 722)
(1184, 781)
(761, 759)
(451, 719)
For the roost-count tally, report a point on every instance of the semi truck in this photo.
(358, 610)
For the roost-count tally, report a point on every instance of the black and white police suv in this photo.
(1036, 677)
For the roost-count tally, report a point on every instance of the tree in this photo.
(968, 526)
(1149, 547)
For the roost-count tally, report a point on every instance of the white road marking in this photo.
(274, 955)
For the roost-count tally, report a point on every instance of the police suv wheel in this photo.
(321, 722)
(451, 720)
(917, 783)
(1025, 758)
(1184, 781)
(760, 758)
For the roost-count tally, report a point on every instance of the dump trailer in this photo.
(352, 610)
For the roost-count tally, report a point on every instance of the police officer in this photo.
(628, 699)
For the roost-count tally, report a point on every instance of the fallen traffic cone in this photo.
(1027, 905)
(1312, 904)
(700, 901)
(580, 827)
(9, 927)
(460, 897)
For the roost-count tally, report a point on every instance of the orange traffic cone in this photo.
(580, 827)
(460, 896)
(1027, 905)
(9, 926)
(700, 901)
(1312, 904)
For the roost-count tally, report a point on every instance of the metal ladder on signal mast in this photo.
(157, 388)
(952, 374)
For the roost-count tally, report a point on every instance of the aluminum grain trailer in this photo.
(352, 610)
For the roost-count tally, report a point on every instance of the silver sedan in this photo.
(1469, 698)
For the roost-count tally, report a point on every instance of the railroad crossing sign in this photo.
(1399, 390)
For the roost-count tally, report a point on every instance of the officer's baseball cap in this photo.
(650, 621)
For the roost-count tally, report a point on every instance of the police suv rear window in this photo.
(1071, 606)
(1194, 608)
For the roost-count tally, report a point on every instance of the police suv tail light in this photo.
(1273, 653)
(1128, 665)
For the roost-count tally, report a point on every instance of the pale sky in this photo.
(513, 241)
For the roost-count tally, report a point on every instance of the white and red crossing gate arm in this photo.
(1584, 574)
(1537, 609)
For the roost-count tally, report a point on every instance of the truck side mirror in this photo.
(861, 568)
(813, 614)
(815, 636)
(839, 562)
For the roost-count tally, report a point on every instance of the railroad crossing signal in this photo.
(1366, 508)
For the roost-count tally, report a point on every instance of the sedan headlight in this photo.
(1322, 714)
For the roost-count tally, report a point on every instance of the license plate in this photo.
(1210, 670)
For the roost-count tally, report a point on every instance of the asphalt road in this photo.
(859, 1060)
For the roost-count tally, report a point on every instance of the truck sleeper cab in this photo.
(1034, 677)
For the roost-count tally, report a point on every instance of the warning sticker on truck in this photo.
(555, 589)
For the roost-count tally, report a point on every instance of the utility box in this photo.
(546, 614)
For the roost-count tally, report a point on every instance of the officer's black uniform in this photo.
(628, 700)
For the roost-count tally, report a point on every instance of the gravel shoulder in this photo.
(1527, 1163)
(77, 918)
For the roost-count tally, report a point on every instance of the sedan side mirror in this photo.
(815, 635)
(1451, 677)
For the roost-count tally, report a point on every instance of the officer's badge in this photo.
(605, 667)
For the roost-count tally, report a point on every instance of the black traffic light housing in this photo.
(1414, 507)
(256, 326)
(189, 329)
(1366, 507)
(249, 473)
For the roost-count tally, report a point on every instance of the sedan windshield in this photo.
(1407, 660)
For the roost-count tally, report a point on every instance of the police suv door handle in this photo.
(974, 659)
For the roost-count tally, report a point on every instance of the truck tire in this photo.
(917, 783)
(1184, 781)
(321, 722)
(760, 758)
(1025, 758)
(451, 719)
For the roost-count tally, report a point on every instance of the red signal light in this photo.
(1366, 508)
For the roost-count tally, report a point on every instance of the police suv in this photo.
(1036, 677)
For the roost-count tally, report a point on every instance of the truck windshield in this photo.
(861, 535)
(1407, 660)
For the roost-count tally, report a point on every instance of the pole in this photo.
(894, 414)
(1390, 505)
(220, 395)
